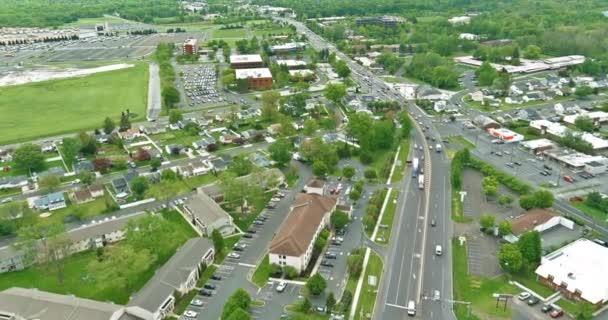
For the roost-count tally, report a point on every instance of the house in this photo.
(246, 61)
(274, 129)
(259, 160)
(120, 185)
(315, 186)
(48, 146)
(257, 78)
(82, 196)
(533, 96)
(177, 276)
(538, 220)
(485, 122)
(204, 143)
(20, 303)
(444, 106)
(477, 96)
(548, 127)
(598, 117)
(173, 149)
(100, 233)
(578, 271)
(513, 100)
(13, 182)
(129, 134)
(228, 138)
(294, 241)
(190, 46)
(207, 215)
(220, 163)
(51, 201)
(102, 138)
(250, 134)
(425, 92)
(468, 36)
(84, 165)
(194, 168)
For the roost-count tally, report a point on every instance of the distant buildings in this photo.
(288, 47)
(459, 20)
(246, 61)
(528, 66)
(191, 46)
(384, 21)
(12, 36)
(293, 244)
(257, 78)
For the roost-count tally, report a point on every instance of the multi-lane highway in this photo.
(412, 270)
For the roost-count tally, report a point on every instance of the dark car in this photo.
(237, 249)
(216, 277)
(326, 263)
(517, 163)
(546, 308)
(556, 313)
(547, 167)
(251, 231)
(205, 293)
(533, 301)
(544, 173)
(330, 255)
(209, 286)
(258, 222)
(247, 236)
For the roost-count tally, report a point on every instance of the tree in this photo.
(310, 127)
(370, 174)
(101, 164)
(543, 198)
(239, 314)
(280, 151)
(486, 221)
(88, 144)
(338, 220)
(532, 52)
(505, 200)
(228, 79)
(583, 91)
(175, 116)
(170, 96)
(44, 243)
(139, 185)
(504, 228)
(270, 100)
(585, 311)
(530, 246)
(240, 165)
(70, 148)
(330, 302)
(305, 306)
(168, 175)
(28, 157)
(510, 258)
(142, 155)
(354, 263)
(125, 122)
(86, 177)
(239, 300)
(527, 202)
(218, 240)
(348, 172)
(502, 82)
(49, 182)
(319, 169)
(108, 125)
(342, 69)
(316, 284)
(155, 164)
(335, 92)
(489, 185)
(584, 123)
(120, 266)
(485, 74)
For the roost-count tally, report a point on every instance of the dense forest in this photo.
(58, 12)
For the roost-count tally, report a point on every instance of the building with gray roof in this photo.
(207, 215)
(179, 274)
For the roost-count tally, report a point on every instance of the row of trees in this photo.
(523, 255)
(170, 94)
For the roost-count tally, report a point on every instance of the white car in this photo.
(524, 296)
(438, 250)
(196, 302)
(234, 255)
(190, 314)
(281, 287)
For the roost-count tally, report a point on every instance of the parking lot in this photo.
(200, 84)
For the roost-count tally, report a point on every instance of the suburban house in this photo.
(315, 186)
(51, 201)
(84, 165)
(13, 182)
(87, 194)
(259, 160)
(578, 271)
(294, 241)
(176, 277)
(195, 168)
(220, 163)
(153, 128)
(130, 134)
(207, 215)
(246, 61)
(21, 303)
(257, 78)
(485, 122)
(267, 179)
(539, 220)
(120, 185)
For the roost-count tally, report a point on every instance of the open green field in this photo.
(229, 33)
(387, 218)
(191, 26)
(591, 212)
(401, 166)
(94, 21)
(271, 31)
(68, 105)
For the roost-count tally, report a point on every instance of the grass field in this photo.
(94, 21)
(69, 105)
(462, 141)
(400, 167)
(271, 31)
(262, 273)
(229, 33)
(387, 218)
(591, 212)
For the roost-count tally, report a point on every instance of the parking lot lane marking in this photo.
(248, 265)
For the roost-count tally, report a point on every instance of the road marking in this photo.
(248, 265)
(396, 306)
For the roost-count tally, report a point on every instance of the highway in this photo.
(411, 269)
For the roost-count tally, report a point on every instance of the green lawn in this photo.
(262, 273)
(271, 31)
(82, 211)
(93, 21)
(387, 219)
(381, 159)
(229, 33)
(568, 306)
(476, 290)
(244, 221)
(228, 245)
(167, 189)
(69, 105)
(182, 303)
(367, 299)
(462, 141)
(77, 280)
(529, 280)
(401, 166)
(457, 210)
(595, 214)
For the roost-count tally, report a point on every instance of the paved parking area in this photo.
(481, 252)
(200, 84)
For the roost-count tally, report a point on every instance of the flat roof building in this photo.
(526, 65)
(292, 64)
(246, 61)
(288, 47)
(384, 21)
(191, 46)
(578, 271)
(538, 145)
(257, 78)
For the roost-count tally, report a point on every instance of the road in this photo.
(154, 103)
(408, 277)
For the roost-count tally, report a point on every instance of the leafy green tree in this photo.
(310, 127)
(504, 228)
(335, 92)
(49, 182)
(485, 74)
(354, 262)
(175, 116)
(306, 305)
(280, 151)
(139, 185)
(529, 244)
(170, 96)
(342, 69)
(240, 165)
(339, 219)
(487, 221)
(510, 258)
(108, 125)
(583, 91)
(29, 157)
(355, 194)
(319, 169)
(239, 314)
(125, 122)
(290, 272)
(489, 185)
(86, 177)
(88, 144)
(330, 302)
(155, 163)
(370, 174)
(532, 52)
(316, 284)
(584, 123)
(168, 175)
(348, 172)
(70, 148)
(239, 300)
(585, 311)
(527, 202)
(505, 200)
(543, 198)
(270, 100)
(120, 266)
(218, 240)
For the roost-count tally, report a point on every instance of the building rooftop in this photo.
(529, 220)
(291, 63)
(205, 209)
(298, 229)
(253, 73)
(246, 58)
(580, 265)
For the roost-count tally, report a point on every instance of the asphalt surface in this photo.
(154, 100)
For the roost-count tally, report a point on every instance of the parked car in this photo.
(258, 222)
(547, 167)
(247, 236)
(568, 179)
(523, 296)
(216, 277)
(205, 293)
(556, 313)
(320, 309)
(326, 263)
(546, 308)
(239, 249)
(196, 302)
(281, 286)
(234, 255)
(517, 163)
(330, 255)
(544, 173)
(532, 301)
(251, 231)
(190, 314)
(209, 286)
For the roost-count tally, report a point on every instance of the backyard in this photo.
(67, 105)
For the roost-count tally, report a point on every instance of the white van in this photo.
(438, 250)
(411, 308)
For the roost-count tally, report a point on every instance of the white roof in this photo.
(528, 66)
(246, 58)
(288, 46)
(582, 266)
(300, 73)
(191, 42)
(291, 63)
(596, 143)
(600, 116)
(553, 128)
(253, 73)
(539, 143)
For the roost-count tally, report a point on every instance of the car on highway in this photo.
(438, 250)
(411, 308)
(524, 296)
(191, 314)
(281, 286)
(234, 255)
(433, 222)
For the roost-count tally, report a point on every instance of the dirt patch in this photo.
(37, 75)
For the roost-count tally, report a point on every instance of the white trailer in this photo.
(421, 181)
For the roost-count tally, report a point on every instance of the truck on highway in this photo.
(438, 148)
(414, 167)
(421, 182)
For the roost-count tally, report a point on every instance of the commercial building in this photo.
(384, 21)
(485, 122)
(459, 20)
(578, 271)
(191, 46)
(246, 61)
(574, 160)
(20, 303)
(207, 215)
(288, 47)
(526, 65)
(293, 244)
(595, 168)
(505, 135)
(538, 145)
(547, 127)
(258, 78)
(598, 117)
(292, 64)
(539, 220)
